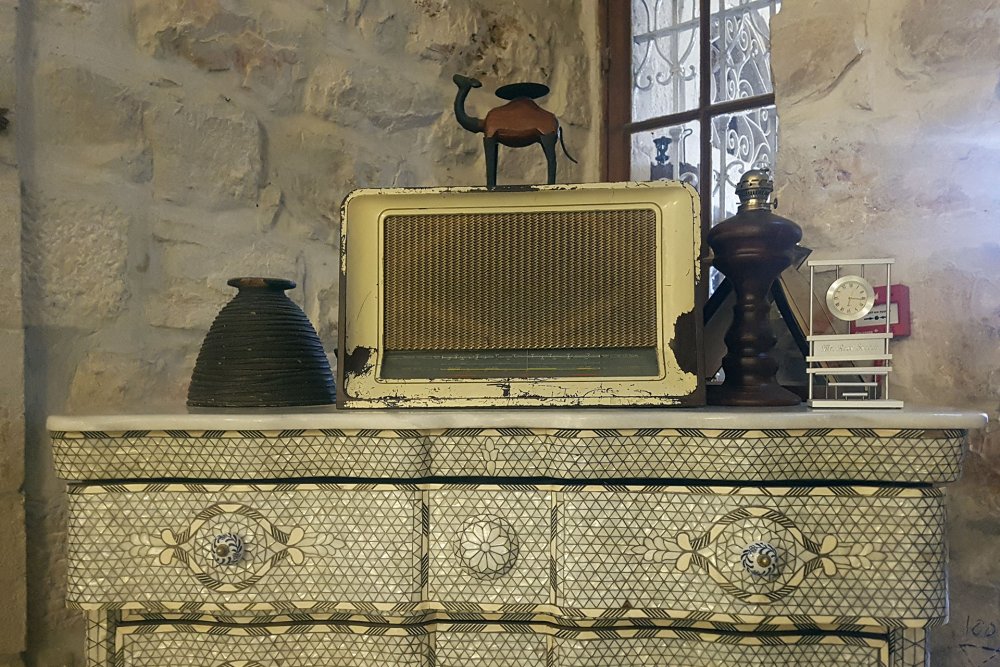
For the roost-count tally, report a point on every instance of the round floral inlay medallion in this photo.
(487, 547)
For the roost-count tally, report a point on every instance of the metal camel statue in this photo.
(518, 123)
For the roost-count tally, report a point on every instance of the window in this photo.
(689, 94)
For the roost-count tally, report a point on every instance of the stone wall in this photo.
(890, 146)
(12, 544)
(176, 143)
(166, 145)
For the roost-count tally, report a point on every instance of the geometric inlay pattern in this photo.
(908, 648)
(629, 652)
(465, 648)
(517, 520)
(445, 645)
(508, 547)
(240, 557)
(157, 545)
(844, 555)
(569, 552)
(211, 646)
(100, 643)
(822, 454)
(762, 573)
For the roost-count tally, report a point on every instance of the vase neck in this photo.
(277, 284)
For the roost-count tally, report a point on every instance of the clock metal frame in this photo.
(848, 369)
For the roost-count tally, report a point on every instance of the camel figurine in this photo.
(518, 123)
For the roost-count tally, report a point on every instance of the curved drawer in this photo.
(576, 556)
(454, 645)
(155, 546)
(860, 555)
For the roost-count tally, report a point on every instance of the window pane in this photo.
(667, 152)
(741, 49)
(665, 38)
(740, 141)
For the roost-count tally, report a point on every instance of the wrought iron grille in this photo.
(690, 94)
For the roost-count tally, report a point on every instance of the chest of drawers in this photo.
(519, 537)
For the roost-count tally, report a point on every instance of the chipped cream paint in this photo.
(361, 331)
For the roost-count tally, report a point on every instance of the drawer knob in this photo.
(488, 547)
(228, 549)
(760, 559)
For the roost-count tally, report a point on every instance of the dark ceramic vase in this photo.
(261, 351)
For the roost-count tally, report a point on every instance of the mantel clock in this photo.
(848, 369)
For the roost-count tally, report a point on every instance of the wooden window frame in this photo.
(616, 32)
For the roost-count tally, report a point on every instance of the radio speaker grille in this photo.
(520, 280)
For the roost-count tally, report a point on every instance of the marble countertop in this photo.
(274, 419)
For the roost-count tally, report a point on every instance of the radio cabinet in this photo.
(543, 538)
(560, 295)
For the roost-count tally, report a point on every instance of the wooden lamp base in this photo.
(752, 248)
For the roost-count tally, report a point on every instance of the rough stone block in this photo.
(973, 504)
(187, 304)
(380, 24)
(89, 120)
(194, 265)
(234, 37)
(74, 262)
(103, 380)
(956, 293)
(11, 410)
(939, 37)
(353, 12)
(12, 575)
(60, 12)
(354, 93)
(441, 33)
(208, 156)
(570, 98)
(316, 168)
(492, 41)
(10, 248)
(452, 148)
(328, 300)
(8, 29)
(808, 59)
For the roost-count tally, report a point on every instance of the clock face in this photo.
(850, 298)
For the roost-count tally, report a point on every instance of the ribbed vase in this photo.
(261, 351)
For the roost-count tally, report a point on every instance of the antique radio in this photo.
(549, 296)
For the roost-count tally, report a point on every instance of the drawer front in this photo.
(490, 547)
(576, 555)
(143, 545)
(444, 645)
(843, 552)
(207, 645)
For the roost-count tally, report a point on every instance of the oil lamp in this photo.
(752, 248)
